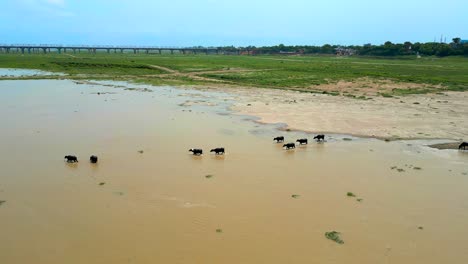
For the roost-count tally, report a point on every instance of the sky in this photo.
(186, 23)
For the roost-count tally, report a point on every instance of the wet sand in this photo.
(431, 116)
(159, 206)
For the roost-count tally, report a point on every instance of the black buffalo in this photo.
(197, 152)
(320, 137)
(302, 141)
(218, 151)
(93, 159)
(289, 145)
(71, 158)
(463, 145)
(279, 139)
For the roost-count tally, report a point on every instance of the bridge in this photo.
(46, 48)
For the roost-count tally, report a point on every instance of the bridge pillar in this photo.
(29, 50)
(134, 51)
(159, 50)
(59, 50)
(108, 50)
(44, 50)
(22, 50)
(172, 51)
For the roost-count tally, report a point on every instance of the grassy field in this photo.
(387, 77)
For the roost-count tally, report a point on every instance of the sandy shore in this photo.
(429, 116)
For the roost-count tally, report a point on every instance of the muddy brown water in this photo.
(159, 207)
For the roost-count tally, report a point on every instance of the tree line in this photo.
(454, 48)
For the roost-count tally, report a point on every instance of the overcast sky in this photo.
(238, 23)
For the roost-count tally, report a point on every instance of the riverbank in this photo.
(429, 116)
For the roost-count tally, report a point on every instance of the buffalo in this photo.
(93, 159)
(302, 141)
(218, 151)
(319, 138)
(463, 145)
(71, 158)
(289, 145)
(279, 139)
(196, 152)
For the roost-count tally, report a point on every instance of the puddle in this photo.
(273, 205)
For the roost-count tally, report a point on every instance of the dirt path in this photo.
(196, 75)
(164, 69)
(73, 56)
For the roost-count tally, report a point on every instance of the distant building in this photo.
(344, 52)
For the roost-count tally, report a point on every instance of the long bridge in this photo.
(46, 48)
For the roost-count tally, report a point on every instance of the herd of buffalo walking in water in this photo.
(221, 151)
(280, 139)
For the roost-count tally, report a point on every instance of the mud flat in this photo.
(430, 116)
(149, 201)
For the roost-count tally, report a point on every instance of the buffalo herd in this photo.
(221, 151)
(74, 159)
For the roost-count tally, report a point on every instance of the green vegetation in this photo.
(295, 196)
(386, 49)
(209, 176)
(335, 236)
(388, 77)
(219, 230)
(2, 202)
(350, 194)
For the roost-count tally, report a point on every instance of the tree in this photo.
(456, 40)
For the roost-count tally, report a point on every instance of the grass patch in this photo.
(304, 72)
(350, 194)
(295, 196)
(335, 236)
(2, 202)
(209, 176)
(219, 230)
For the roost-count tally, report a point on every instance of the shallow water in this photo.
(159, 206)
(7, 72)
